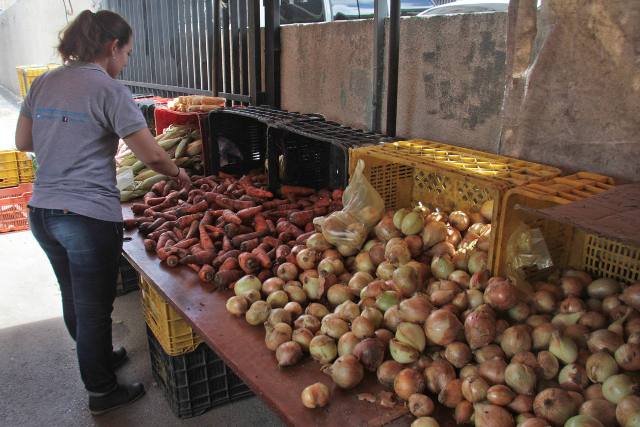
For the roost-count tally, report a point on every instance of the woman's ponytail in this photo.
(85, 37)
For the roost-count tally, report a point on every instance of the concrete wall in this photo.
(451, 75)
(29, 34)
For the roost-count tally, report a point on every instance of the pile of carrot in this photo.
(226, 227)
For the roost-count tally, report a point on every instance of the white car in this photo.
(468, 6)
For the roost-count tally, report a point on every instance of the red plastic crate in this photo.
(165, 117)
(14, 213)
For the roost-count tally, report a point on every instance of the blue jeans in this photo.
(84, 254)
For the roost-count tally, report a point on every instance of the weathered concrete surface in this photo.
(582, 101)
(451, 78)
(327, 68)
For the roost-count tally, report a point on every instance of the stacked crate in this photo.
(16, 175)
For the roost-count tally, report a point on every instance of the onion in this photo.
(288, 353)
(604, 339)
(347, 311)
(493, 370)
(303, 337)
(385, 270)
(252, 296)
(334, 326)
(564, 348)
(438, 375)
(459, 220)
(541, 336)
(600, 366)
(593, 320)
(317, 242)
(373, 289)
(442, 327)
(578, 334)
(522, 404)
(442, 249)
(313, 287)
(479, 280)
(516, 339)
(536, 320)
(487, 415)
(617, 387)
(534, 422)
(594, 304)
(526, 358)
(406, 280)
(474, 389)
(628, 357)
(420, 405)
(373, 315)
(571, 286)
(458, 354)
(603, 288)
(488, 352)
(412, 223)
(387, 299)
(398, 216)
(307, 258)
(397, 252)
(594, 391)
(451, 394)
(610, 303)
(562, 320)
(469, 371)
(425, 422)
(388, 371)
(392, 318)
(247, 283)
(315, 396)
(258, 313)
(520, 312)
(544, 301)
(237, 305)
(478, 261)
(555, 405)
(414, 243)
(402, 353)
(279, 315)
(307, 321)
(408, 382)
(278, 299)
(475, 298)
(486, 210)
(346, 372)
(631, 295)
(521, 378)
(294, 308)
(415, 309)
(573, 377)
(442, 267)
(358, 281)
(411, 334)
(572, 305)
(460, 277)
(295, 293)
(422, 270)
(461, 260)
(500, 294)
(500, 395)
(627, 408)
(549, 365)
(347, 343)
(317, 310)
(580, 275)
(583, 421)
(433, 232)
(287, 271)
(370, 352)
(600, 409)
(463, 412)
(323, 349)
(480, 327)
(276, 335)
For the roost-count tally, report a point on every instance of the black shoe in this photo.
(121, 396)
(118, 357)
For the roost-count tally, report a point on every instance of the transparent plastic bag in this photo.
(363, 207)
(527, 254)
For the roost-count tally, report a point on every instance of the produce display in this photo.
(417, 307)
(226, 227)
(198, 103)
(183, 143)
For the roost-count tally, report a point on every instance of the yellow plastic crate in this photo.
(568, 246)
(28, 73)
(174, 334)
(9, 174)
(406, 173)
(25, 167)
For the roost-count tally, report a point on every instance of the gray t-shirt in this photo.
(78, 114)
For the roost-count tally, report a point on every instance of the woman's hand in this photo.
(183, 179)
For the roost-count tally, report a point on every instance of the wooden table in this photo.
(242, 348)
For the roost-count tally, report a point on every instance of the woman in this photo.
(72, 118)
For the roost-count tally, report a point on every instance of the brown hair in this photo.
(85, 37)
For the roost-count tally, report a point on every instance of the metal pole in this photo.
(272, 52)
(255, 75)
(381, 12)
(392, 86)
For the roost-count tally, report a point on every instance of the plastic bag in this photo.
(363, 207)
(527, 254)
(124, 179)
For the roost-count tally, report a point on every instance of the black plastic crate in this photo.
(194, 382)
(314, 153)
(128, 278)
(237, 138)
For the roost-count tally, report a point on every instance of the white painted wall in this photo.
(29, 34)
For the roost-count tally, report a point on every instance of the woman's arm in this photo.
(24, 141)
(147, 150)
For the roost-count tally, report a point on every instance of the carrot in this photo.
(186, 243)
(154, 201)
(224, 279)
(285, 226)
(223, 256)
(215, 231)
(322, 203)
(194, 267)
(229, 264)
(309, 227)
(262, 247)
(319, 211)
(172, 261)
(193, 229)
(237, 240)
(169, 186)
(271, 227)
(302, 239)
(226, 244)
(260, 224)
(305, 203)
(130, 223)
(249, 245)
(257, 192)
(337, 194)
(206, 273)
(291, 190)
(198, 207)
(231, 217)
(249, 263)
(186, 220)
(282, 252)
(158, 187)
(146, 228)
(301, 218)
(271, 241)
(178, 233)
(139, 208)
(264, 275)
(205, 240)
(263, 259)
(162, 240)
(283, 213)
(248, 213)
(274, 204)
(149, 245)
(167, 216)
(202, 257)
(231, 230)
